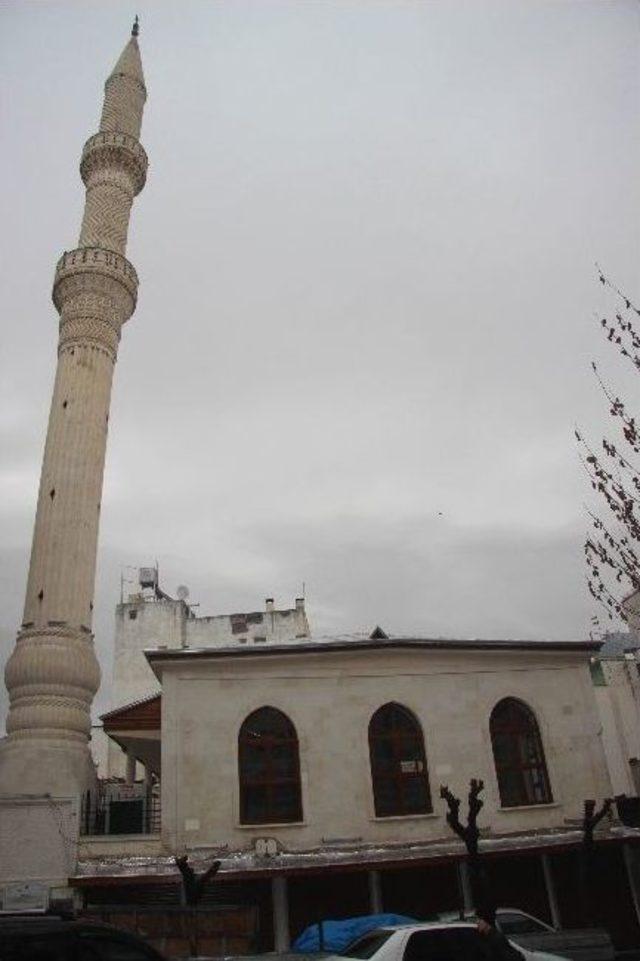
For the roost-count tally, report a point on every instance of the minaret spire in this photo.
(52, 674)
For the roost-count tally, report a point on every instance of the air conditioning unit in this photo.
(126, 808)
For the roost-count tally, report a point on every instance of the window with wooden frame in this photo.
(398, 763)
(518, 755)
(269, 769)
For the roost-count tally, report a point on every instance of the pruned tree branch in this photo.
(468, 832)
(483, 899)
(193, 885)
(591, 818)
(612, 550)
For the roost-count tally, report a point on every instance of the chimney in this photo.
(299, 603)
(269, 605)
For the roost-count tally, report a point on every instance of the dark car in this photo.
(576, 944)
(48, 938)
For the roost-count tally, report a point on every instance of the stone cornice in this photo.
(308, 648)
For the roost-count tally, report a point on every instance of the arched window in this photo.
(269, 768)
(518, 755)
(398, 763)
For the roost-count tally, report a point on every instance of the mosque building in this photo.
(309, 766)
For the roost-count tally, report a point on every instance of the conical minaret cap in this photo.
(129, 62)
(125, 92)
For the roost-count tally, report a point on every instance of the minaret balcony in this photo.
(96, 270)
(107, 150)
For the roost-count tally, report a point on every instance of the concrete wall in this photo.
(139, 625)
(618, 702)
(38, 839)
(631, 605)
(330, 698)
(119, 845)
(142, 624)
(269, 626)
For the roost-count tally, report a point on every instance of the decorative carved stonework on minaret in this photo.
(52, 674)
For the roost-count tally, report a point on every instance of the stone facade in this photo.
(329, 692)
(335, 855)
(52, 674)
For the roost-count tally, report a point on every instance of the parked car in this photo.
(50, 938)
(331, 937)
(430, 941)
(577, 944)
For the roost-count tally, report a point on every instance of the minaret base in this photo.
(46, 767)
(39, 842)
(43, 783)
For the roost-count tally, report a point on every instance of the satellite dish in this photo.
(182, 591)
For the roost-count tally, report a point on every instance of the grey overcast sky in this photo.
(366, 313)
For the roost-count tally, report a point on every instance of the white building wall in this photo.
(619, 709)
(142, 623)
(100, 745)
(54, 822)
(138, 626)
(330, 697)
(631, 605)
(269, 626)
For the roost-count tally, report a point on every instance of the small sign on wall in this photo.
(411, 767)
(22, 896)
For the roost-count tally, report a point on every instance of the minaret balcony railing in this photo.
(86, 267)
(109, 149)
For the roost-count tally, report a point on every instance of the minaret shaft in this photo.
(70, 490)
(52, 674)
(106, 213)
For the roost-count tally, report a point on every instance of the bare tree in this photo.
(193, 886)
(469, 833)
(590, 820)
(612, 547)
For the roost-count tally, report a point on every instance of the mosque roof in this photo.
(364, 642)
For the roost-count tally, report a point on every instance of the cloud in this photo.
(366, 254)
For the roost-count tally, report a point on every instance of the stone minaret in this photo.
(52, 674)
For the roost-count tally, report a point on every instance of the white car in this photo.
(431, 941)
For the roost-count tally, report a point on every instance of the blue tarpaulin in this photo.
(336, 935)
